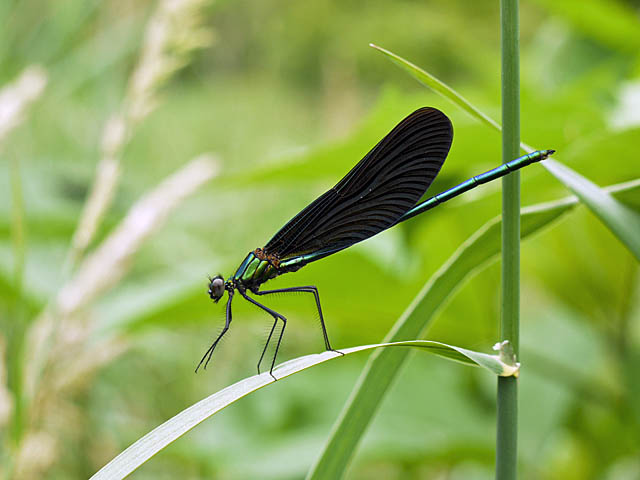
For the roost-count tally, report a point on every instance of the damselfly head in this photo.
(216, 288)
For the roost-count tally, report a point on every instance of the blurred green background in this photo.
(290, 96)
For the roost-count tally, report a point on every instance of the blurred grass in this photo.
(291, 97)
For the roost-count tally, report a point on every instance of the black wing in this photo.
(386, 183)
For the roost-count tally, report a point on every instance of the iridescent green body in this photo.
(253, 272)
(256, 268)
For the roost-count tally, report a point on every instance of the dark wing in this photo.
(386, 183)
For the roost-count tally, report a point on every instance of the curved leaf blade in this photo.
(620, 219)
(147, 446)
(439, 87)
(479, 251)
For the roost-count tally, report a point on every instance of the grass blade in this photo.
(480, 250)
(486, 241)
(147, 446)
(439, 87)
(618, 218)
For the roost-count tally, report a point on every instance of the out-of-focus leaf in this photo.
(477, 252)
(171, 430)
(328, 161)
(611, 22)
(621, 220)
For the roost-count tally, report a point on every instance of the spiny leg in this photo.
(277, 317)
(209, 352)
(264, 350)
(307, 289)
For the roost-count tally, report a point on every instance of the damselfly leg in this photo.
(276, 316)
(227, 322)
(306, 289)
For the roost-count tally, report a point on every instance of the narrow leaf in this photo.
(480, 250)
(624, 223)
(172, 429)
(621, 220)
(439, 87)
(534, 219)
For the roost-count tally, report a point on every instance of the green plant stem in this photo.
(507, 403)
(507, 429)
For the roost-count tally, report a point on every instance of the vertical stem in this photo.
(507, 410)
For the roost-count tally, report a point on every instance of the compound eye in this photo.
(216, 288)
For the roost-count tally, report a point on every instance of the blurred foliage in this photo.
(290, 96)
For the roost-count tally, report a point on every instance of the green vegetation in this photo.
(252, 109)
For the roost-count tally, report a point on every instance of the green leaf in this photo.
(174, 428)
(624, 223)
(439, 87)
(621, 220)
(611, 23)
(477, 252)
